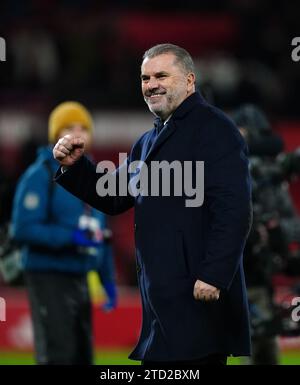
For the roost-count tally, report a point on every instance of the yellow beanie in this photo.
(64, 115)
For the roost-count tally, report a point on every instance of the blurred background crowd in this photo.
(90, 51)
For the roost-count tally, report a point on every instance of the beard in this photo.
(164, 107)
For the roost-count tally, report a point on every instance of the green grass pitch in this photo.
(119, 357)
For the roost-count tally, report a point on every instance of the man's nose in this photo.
(153, 83)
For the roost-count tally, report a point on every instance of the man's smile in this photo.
(155, 96)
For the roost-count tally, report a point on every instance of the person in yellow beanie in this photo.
(63, 239)
(69, 114)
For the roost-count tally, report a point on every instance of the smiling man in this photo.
(166, 81)
(189, 259)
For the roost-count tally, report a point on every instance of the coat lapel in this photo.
(153, 145)
(165, 133)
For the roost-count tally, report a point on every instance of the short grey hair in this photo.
(183, 58)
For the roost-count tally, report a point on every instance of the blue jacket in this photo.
(44, 225)
(176, 245)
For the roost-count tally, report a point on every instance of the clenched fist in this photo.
(68, 150)
(205, 292)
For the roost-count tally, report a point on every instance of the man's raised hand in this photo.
(68, 150)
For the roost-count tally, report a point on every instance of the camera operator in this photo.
(275, 225)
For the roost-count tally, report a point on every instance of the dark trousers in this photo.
(214, 359)
(61, 316)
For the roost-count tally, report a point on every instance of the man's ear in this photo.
(191, 78)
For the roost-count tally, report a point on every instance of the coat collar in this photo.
(183, 108)
(186, 106)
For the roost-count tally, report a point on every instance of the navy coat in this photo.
(176, 245)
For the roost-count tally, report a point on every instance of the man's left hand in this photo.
(205, 292)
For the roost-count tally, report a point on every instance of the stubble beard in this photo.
(164, 109)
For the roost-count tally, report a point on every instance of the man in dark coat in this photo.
(189, 253)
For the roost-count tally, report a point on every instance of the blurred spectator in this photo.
(274, 226)
(62, 239)
(35, 57)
